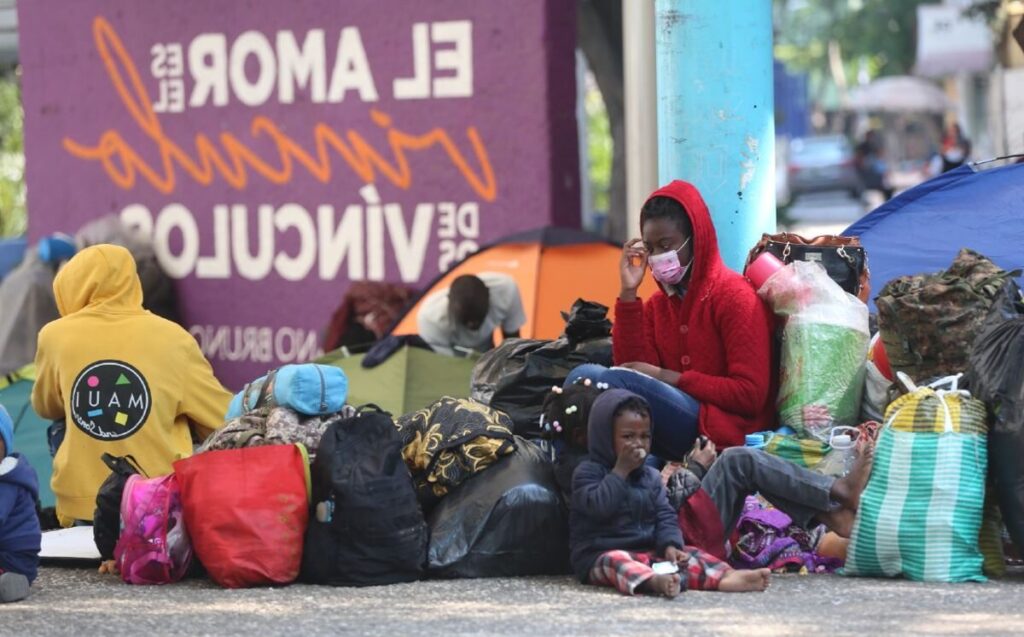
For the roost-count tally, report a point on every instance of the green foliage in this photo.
(881, 32)
(599, 146)
(12, 159)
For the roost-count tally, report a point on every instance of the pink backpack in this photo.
(154, 547)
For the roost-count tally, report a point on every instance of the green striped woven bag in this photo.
(922, 509)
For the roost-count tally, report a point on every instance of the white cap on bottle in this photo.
(842, 441)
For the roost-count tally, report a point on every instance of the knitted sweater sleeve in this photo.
(633, 333)
(743, 324)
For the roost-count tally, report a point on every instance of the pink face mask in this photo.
(666, 267)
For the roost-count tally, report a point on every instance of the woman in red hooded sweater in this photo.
(699, 350)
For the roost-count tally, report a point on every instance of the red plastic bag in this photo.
(701, 524)
(246, 511)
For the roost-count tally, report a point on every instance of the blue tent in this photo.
(923, 229)
(11, 253)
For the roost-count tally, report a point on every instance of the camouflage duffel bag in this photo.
(928, 322)
(273, 426)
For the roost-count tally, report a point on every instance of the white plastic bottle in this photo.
(840, 459)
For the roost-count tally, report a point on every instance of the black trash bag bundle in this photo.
(515, 376)
(507, 521)
(106, 519)
(586, 320)
(996, 375)
(367, 528)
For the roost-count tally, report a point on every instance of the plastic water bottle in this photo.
(840, 459)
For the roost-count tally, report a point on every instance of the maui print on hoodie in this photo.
(126, 381)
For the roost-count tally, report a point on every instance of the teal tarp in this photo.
(29, 434)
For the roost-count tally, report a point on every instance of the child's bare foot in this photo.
(666, 585)
(741, 581)
(109, 566)
(846, 490)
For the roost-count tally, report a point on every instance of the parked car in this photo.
(822, 163)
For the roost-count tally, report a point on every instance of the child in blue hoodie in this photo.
(620, 520)
(19, 523)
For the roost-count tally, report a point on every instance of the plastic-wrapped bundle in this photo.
(824, 349)
(506, 521)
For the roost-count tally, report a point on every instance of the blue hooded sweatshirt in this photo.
(608, 513)
(19, 523)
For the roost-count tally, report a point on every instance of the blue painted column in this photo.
(716, 125)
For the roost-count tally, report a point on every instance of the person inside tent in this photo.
(125, 381)
(462, 318)
(699, 350)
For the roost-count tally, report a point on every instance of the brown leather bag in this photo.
(843, 258)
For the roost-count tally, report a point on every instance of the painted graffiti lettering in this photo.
(257, 344)
(363, 237)
(232, 160)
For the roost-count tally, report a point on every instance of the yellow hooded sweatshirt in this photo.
(125, 381)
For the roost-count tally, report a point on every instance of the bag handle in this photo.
(371, 407)
(941, 394)
(264, 396)
(114, 463)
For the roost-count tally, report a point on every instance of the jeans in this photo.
(741, 471)
(674, 414)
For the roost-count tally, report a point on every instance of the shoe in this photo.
(13, 587)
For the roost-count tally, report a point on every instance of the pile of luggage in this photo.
(945, 376)
(300, 486)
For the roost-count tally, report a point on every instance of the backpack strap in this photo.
(268, 383)
(371, 407)
(243, 438)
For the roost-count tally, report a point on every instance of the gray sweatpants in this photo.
(741, 471)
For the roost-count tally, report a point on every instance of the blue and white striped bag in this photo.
(922, 509)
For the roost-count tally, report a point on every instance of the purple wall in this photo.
(272, 169)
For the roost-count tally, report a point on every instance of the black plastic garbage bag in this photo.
(508, 520)
(996, 375)
(586, 320)
(515, 376)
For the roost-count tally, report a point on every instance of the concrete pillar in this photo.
(640, 104)
(716, 125)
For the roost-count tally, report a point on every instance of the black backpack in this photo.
(106, 520)
(367, 528)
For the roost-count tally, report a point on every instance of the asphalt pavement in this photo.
(78, 601)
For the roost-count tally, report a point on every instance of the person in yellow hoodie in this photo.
(124, 380)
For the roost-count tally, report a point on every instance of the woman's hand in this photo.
(631, 268)
(664, 375)
(644, 368)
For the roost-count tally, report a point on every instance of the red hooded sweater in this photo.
(718, 335)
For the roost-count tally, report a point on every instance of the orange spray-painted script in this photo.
(233, 160)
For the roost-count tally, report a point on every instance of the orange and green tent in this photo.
(553, 267)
